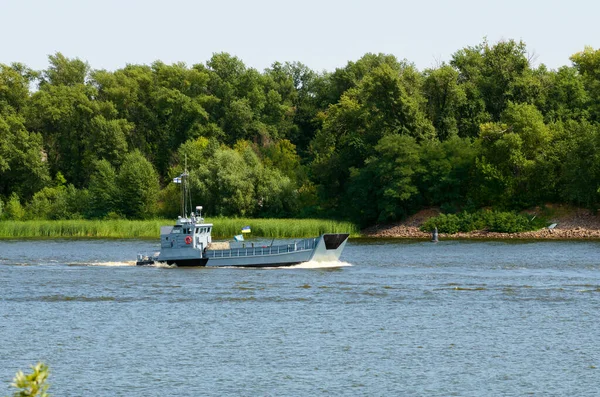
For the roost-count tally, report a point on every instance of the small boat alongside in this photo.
(189, 243)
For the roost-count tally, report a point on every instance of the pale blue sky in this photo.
(322, 34)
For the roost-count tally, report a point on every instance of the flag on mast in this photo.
(246, 229)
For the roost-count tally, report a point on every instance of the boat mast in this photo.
(186, 194)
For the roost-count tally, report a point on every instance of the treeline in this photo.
(370, 142)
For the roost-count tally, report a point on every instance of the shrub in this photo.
(494, 221)
(445, 223)
(508, 222)
(13, 209)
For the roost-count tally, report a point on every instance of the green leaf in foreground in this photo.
(33, 384)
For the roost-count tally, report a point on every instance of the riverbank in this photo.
(224, 228)
(571, 224)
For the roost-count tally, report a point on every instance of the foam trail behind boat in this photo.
(108, 264)
(319, 265)
(164, 265)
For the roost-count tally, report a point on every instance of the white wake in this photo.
(164, 265)
(110, 264)
(319, 265)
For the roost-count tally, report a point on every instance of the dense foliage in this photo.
(493, 221)
(370, 142)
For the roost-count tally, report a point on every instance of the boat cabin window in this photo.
(197, 230)
(176, 229)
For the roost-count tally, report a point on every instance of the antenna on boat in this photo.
(186, 194)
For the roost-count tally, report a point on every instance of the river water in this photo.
(411, 318)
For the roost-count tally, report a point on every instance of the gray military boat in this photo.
(189, 243)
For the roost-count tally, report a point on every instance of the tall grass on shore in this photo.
(281, 228)
(81, 228)
(223, 228)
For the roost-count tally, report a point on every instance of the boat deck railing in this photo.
(302, 245)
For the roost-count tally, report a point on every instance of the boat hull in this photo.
(327, 247)
(214, 263)
(267, 260)
(188, 262)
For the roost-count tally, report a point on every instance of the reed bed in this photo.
(223, 228)
(281, 228)
(81, 228)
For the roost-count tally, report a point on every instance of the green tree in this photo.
(512, 166)
(282, 155)
(276, 194)
(386, 189)
(138, 186)
(566, 96)
(14, 85)
(163, 105)
(352, 74)
(23, 167)
(229, 185)
(103, 190)
(61, 201)
(234, 181)
(75, 127)
(444, 98)
(13, 209)
(446, 171)
(504, 65)
(579, 146)
(131, 91)
(587, 63)
(491, 77)
(384, 103)
(309, 88)
(469, 63)
(65, 71)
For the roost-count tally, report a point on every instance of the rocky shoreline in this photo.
(576, 224)
(546, 234)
